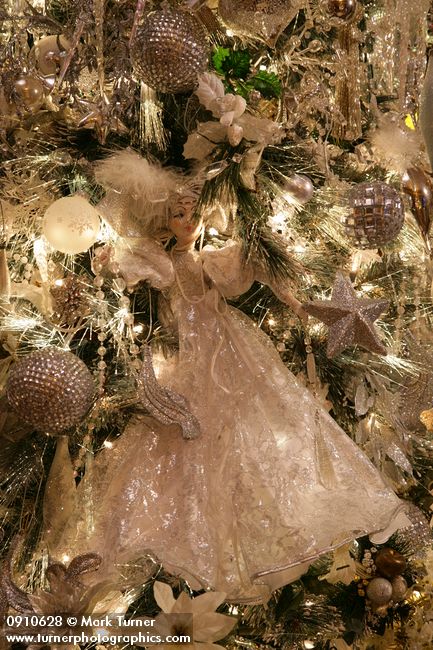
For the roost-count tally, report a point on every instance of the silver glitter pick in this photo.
(164, 404)
(350, 319)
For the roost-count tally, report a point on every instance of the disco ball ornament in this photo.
(377, 215)
(343, 9)
(71, 225)
(50, 389)
(259, 19)
(169, 51)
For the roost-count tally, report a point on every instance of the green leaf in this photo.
(267, 83)
(218, 57)
(231, 63)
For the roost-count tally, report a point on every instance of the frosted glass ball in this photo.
(71, 225)
(49, 53)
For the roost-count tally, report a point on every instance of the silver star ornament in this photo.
(349, 318)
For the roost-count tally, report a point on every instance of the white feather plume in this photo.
(210, 90)
(397, 146)
(148, 185)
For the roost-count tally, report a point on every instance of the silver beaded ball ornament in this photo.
(376, 217)
(50, 389)
(170, 50)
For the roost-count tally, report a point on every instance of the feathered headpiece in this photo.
(138, 193)
(141, 194)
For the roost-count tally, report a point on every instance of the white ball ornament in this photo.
(49, 54)
(298, 189)
(71, 225)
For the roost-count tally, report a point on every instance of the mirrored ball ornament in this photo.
(71, 225)
(376, 217)
(343, 9)
(170, 50)
(29, 92)
(50, 389)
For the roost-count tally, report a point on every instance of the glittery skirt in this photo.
(271, 484)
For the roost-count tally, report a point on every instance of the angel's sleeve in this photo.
(227, 269)
(282, 289)
(233, 276)
(144, 259)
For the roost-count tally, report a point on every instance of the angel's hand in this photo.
(289, 299)
(301, 313)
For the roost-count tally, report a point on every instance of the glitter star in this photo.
(99, 116)
(350, 319)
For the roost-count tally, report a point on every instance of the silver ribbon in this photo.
(164, 404)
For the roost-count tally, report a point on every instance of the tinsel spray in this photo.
(5, 278)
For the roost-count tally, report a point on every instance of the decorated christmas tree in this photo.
(216, 344)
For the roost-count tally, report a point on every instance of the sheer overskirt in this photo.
(272, 482)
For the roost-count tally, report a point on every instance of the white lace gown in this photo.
(272, 482)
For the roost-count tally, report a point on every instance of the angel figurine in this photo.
(271, 482)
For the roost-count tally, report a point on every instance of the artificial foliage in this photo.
(337, 92)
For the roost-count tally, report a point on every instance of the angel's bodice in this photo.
(190, 274)
(191, 282)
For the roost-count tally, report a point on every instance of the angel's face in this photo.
(182, 225)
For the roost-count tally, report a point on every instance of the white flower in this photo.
(204, 625)
(234, 123)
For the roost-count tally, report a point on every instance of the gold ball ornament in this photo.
(390, 563)
(169, 51)
(377, 215)
(49, 54)
(29, 92)
(379, 591)
(343, 9)
(50, 389)
(71, 225)
(418, 186)
(259, 19)
(399, 588)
